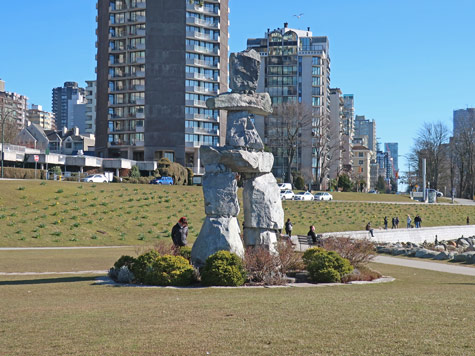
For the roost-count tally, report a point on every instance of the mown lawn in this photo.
(421, 313)
(74, 214)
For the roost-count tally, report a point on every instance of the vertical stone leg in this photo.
(263, 213)
(220, 230)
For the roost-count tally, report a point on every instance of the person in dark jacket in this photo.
(369, 228)
(385, 223)
(311, 233)
(288, 227)
(393, 223)
(180, 232)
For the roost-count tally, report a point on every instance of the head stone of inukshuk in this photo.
(242, 155)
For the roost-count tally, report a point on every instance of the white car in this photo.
(285, 186)
(323, 196)
(95, 178)
(303, 196)
(286, 195)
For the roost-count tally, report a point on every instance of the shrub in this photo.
(143, 265)
(166, 168)
(299, 183)
(135, 172)
(362, 273)
(125, 260)
(183, 251)
(170, 271)
(263, 267)
(125, 275)
(325, 266)
(358, 252)
(23, 173)
(289, 259)
(223, 268)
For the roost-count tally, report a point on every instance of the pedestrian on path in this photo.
(386, 223)
(368, 228)
(393, 223)
(417, 221)
(288, 227)
(409, 220)
(468, 220)
(397, 222)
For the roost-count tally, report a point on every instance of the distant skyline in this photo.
(406, 62)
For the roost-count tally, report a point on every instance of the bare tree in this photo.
(284, 131)
(431, 144)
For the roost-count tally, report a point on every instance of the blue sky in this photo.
(406, 62)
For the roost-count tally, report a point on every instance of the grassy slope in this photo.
(421, 313)
(73, 214)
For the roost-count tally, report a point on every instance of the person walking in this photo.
(180, 232)
(368, 228)
(288, 228)
(393, 223)
(311, 233)
(397, 222)
(468, 220)
(385, 223)
(409, 220)
(417, 221)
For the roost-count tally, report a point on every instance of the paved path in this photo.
(464, 201)
(433, 266)
(57, 248)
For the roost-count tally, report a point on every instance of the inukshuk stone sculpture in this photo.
(243, 154)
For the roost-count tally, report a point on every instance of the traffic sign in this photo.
(37, 158)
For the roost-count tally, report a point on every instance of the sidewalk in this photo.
(432, 266)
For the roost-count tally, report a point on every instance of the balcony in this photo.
(138, 19)
(202, 10)
(139, 74)
(194, 144)
(199, 22)
(199, 130)
(200, 76)
(201, 49)
(201, 36)
(199, 62)
(139, 5)
(138, 87)
(140, 115)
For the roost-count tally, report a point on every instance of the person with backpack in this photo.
(288, 228)
(180, 232)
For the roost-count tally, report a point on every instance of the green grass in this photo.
(421, 313)
(126, 214)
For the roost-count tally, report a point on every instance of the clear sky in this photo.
(406, 61)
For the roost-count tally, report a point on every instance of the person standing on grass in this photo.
(386, 223)
(311, 233)
(393, 222)
(368, 228)
(288, 227)
(409, 220)
(397, 222)
(180, 232)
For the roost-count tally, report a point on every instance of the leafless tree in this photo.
(431, 143)
(284, 130)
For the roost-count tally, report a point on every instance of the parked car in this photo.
(286, 195)
(162, 181)
(95, 178)
(323, 196)
(303, 196)
(373, 192)
(285, 186)
(439, 194)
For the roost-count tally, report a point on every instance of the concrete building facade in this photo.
(462, 117)
(361, 172)
(91, 103)
(158, 61)
(393, 149)
(14, 104)
(366, 127)
(69, 106)
(44, 119)
(296, 68)
(336, 133)
(348, 131)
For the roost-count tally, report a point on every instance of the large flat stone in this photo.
(262, 204)
(220, 159)
(241, 132)
(220, 194)
(256, 103)
(217, 234)
(244, 71)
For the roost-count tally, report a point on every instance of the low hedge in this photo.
(23, 173)
(223, 268)
(326, 266)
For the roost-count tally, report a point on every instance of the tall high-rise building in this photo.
(158, 61)
(348, 131)
(392, 148)
(336, 132)
(463, 118)
(295, 68)
(14, 104)
(69, 106)
(44, 119)
(90, 124)
(366, 127)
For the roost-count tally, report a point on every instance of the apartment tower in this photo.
(69, 106)
(296, 68)
(157, 63)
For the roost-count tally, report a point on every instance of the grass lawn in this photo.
(421, 313)
(74, 214)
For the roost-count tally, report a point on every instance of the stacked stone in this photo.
(243, 154)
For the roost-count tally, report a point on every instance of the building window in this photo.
(169, 155)
(360, 154)
(360, 162)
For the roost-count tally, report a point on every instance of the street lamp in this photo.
(4, 119)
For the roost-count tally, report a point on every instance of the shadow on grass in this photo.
(47, 281)
(460, 284)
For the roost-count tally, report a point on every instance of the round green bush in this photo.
(143, 265)
(170, 270)
(125, 260)
(185, 251)
(325, 266)
(223, 268)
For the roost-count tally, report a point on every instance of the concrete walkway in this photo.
(432, 266)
